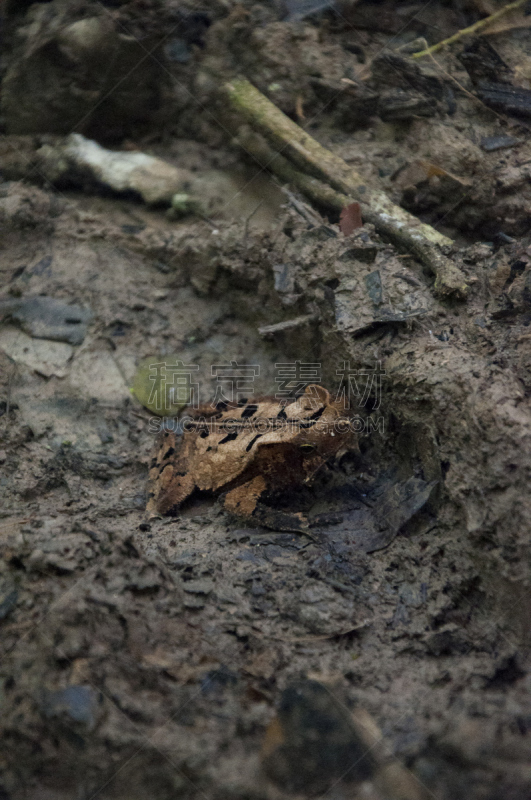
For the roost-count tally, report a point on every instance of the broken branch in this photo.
(472, 29)
(330, 181)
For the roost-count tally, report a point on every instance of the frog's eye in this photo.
(307, 448)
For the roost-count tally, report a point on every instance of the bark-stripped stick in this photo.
(471, 30)
(328, 180)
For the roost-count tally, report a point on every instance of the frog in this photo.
(248, 453)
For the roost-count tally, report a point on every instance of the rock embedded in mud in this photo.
(48, 318)
(75, 159)
(490, 143)
(77, 707)
(41, 355)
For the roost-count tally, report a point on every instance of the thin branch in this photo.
(296, 158)
(472, 29)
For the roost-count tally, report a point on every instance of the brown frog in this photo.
(251, 452)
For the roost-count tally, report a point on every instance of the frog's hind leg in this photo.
(244, 501)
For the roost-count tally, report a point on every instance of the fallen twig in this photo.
(472, 29)
(287, 325)
(329, 181)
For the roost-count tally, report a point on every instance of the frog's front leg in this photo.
(244, 501)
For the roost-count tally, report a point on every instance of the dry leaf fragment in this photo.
(350, 219)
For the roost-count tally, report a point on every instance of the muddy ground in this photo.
(191, 657)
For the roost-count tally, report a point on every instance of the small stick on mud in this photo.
(471, 30)
(330, 181)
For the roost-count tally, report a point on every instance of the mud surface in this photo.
(150, 660)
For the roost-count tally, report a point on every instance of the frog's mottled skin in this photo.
(250, 451)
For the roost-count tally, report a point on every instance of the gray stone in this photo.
(47, 318)
(75, 705)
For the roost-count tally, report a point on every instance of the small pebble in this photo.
(490, 143)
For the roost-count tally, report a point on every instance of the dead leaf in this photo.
(419, 171)
(350, 219)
